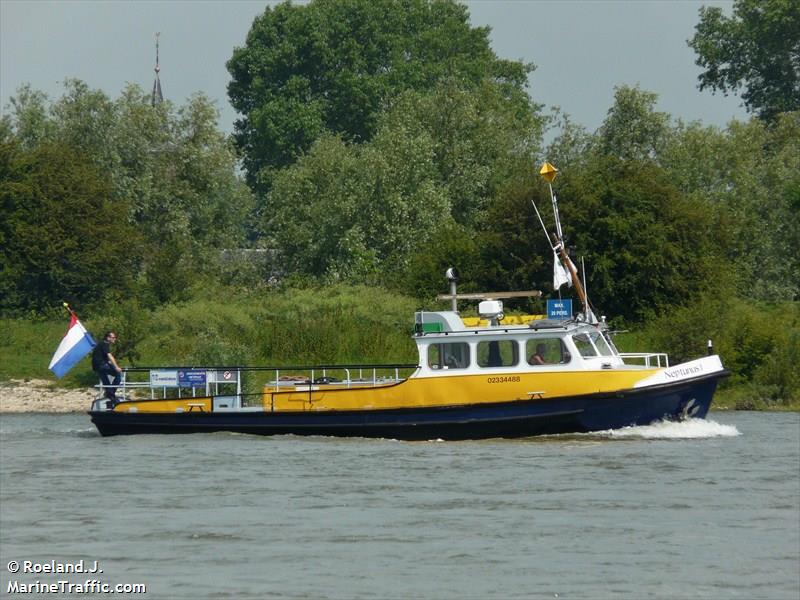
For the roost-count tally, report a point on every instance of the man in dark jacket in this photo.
(106, 367)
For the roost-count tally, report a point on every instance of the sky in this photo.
(582, 49)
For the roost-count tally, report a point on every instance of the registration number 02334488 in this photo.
(503, 379)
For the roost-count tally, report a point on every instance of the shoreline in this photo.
(43, 396)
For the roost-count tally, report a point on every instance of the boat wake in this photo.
(674, 430)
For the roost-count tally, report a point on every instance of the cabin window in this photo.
(546, 351)
(498, 353)
(601, 344)
(592, 344)
(453, 355)
(584, 345)
(610, 342)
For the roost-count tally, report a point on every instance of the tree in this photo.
(439, 157)
(750, 174)
(61, 236)
(336, 65)
(344, 211)
(513, 251)
(633, 129)
(646, 245)
(482, 140)
(171, 173)
(570, 146)
(757, 49)
(29, 121)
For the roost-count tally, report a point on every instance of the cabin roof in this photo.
(444, 323)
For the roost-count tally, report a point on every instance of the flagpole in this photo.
(69, 310)
(549, 172)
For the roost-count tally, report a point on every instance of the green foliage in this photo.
(728, 218)
(334, 66)
(61, 238)
(778, 373)
(27, 344)
(646, 245)
(344, 211)
(132, 324)
(169, 174)
(359, 212)
(336, 324)
(749, 174)
(200, 332)
(514, 253)
(759, 343)
(633, 130)
(30, 123)
(570, 146)
(483, 140)
(452, 245)
(755, 49)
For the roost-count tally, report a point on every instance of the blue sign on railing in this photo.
(559, 309)
(192, 378)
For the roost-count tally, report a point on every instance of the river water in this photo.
(701, 509)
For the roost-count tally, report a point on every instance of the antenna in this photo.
(583, 272)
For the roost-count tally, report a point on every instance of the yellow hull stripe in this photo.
(455, 390)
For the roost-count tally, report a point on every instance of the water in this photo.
(702, 509)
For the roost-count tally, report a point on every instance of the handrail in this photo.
(646, 356)
(167, 381)
(273, 367)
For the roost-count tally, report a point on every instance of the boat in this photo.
(487, 377)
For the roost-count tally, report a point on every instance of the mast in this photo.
(548, 173)
(157, 97)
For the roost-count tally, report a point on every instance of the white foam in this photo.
(675, 430)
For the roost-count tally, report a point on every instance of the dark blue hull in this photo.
(594, 412)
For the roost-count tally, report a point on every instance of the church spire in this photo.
(157, 97)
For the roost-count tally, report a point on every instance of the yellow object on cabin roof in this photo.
(507, 320)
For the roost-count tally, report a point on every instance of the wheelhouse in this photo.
(447, 346)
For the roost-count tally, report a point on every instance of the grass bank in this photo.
(337, 324)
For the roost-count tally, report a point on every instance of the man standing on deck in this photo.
(105, 365)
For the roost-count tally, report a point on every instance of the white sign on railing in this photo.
(164, 378)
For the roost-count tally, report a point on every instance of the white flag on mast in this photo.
(560, 274)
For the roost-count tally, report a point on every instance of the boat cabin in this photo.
(447, 344)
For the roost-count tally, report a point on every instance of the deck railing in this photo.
(648, 359)
(194, 381)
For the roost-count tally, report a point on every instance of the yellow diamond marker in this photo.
(549, 172)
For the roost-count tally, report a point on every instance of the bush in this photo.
(338, 324)
(758, 342)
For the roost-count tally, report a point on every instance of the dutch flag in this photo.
(76, 344)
